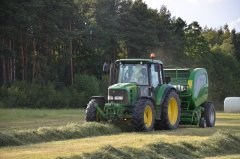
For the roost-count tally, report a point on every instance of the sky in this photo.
(210, 13)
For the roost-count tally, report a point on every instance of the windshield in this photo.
(133, 73)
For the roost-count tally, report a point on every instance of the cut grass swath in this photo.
(46, 134)
(221, 143)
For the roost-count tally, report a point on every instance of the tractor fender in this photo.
(98, 97)
(100, 100)
(160, 96)
(147, 97)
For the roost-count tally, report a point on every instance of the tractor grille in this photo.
(114, 93)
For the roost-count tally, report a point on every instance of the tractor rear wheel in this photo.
(170, 114)
(144, 115)
(209, 114)
(91, 111)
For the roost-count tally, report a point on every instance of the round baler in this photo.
(192, 87)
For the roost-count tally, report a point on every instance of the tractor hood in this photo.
(124, 93)
(126, 86)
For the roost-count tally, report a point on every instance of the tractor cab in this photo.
(145, 74)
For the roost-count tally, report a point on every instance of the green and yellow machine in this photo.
(144, 94)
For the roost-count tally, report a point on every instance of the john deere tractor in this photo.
(149, 97)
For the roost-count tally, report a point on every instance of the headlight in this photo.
(118, 97)
(110, 97)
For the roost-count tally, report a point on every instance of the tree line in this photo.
(53, 41)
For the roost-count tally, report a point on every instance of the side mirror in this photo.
(106, 67)
(167, 79)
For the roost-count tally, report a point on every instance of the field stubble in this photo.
(222, 141)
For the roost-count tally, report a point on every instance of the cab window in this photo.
(154, 75)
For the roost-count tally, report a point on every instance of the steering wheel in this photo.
(141, 80)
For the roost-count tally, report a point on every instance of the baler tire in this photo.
(202, 123)
(165, 122)
(91, 111)
(209, 114)
(140, 121)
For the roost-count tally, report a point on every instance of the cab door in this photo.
(156, 75)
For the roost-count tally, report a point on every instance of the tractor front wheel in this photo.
(209, 114)
(144, 115)
(91, 111)
(170, 115)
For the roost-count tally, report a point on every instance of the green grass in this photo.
(20, 119)
(25, 114)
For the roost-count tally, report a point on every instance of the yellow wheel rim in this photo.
(172, 111)
(148, 116)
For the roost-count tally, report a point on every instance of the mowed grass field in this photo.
(20, 119)
(222, 141)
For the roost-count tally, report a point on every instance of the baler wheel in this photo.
(202, 123)
(209, 114)
(144, 115)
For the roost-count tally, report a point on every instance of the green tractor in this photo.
(146, 96)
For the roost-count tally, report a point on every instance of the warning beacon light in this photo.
(152, 55)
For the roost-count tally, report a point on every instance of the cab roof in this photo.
(139, 60)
